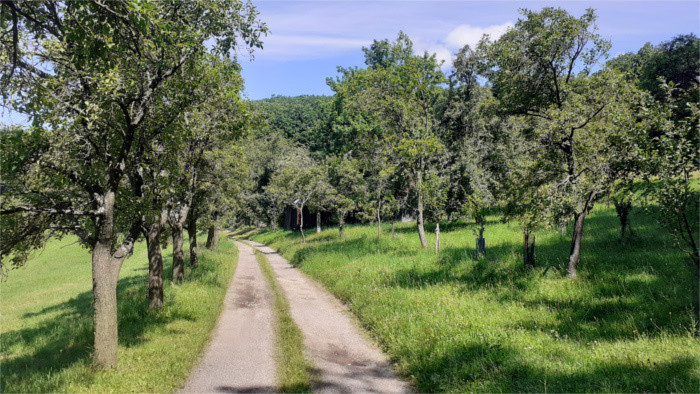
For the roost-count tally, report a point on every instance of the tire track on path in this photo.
(346, 361)
(240, 357)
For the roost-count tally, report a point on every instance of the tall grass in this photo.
(47, 322)
(452, 322)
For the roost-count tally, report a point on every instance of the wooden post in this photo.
(437, 238)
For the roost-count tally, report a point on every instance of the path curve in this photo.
(346, 360)
(240, 357)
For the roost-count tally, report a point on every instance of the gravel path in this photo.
(345, 359)
(240, 357)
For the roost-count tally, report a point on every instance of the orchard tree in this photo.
(402, 91)
(346, 178)
(542, 68)
(87, 74)
(297, 186)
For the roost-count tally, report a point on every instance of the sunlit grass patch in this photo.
(452, 322)
(47, 322)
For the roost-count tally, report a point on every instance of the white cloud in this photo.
(314, 46)
(470, 35)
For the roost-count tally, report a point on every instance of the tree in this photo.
(671, 159)
(402, 91)
(88, 73)
(346, 178)
(298, 186)
(542, 69)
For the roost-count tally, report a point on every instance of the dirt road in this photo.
(240, 357)
(346, 360)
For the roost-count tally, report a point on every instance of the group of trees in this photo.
(136, 125)
(133, 108)
(535, 125)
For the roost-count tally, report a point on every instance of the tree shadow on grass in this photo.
(491, 367)
(66, 338)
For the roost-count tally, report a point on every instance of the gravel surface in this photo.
(240, 357)
(346, 360)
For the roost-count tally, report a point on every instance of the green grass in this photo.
(293, 366)
(453, 323)
(47, 322)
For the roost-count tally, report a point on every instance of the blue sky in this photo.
(309, 39)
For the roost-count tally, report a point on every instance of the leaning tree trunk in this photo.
(421, 228)
(178, 254)
(575, 253)
(318, 222)
(212, 237)
(192, 235)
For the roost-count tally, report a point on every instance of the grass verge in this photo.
(293, 366)
(47, 322)
(451, 322)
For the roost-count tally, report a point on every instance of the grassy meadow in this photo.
(451, 322)
(47, 322)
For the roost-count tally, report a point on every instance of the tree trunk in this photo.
(341, 226)
(480, 243)
(192, 235)
(318, 222)
(437, 238)
(104, 289)
(155, 265)
(623, 209)
(301, 224)
(178, 254)
(105, 273)
(528, 248)
(212, 237)
(575, 253)
(421, 229)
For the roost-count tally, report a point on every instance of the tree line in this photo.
(134, 111)
(537, 126)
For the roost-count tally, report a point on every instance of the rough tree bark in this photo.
(152, 232)
(177, 219)
(575, 253)
(105, 274)
(192, 235)
(212, 237)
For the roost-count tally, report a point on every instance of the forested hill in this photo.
(296, 118)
